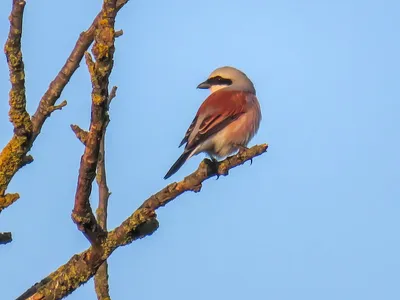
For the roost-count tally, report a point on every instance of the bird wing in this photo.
(188, 132)
(217, 111)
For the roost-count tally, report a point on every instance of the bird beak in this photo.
(204, 85)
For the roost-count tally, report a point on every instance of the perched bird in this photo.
(226, 121)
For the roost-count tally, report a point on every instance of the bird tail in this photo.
(178, 164)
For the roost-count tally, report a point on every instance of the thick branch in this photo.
(18, 114)
(100, 70)
(12, 154)
(141, 223)
(19, 117)
(80, 268)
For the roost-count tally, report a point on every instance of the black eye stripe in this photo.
(218, 80)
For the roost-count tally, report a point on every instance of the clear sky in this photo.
(317, 217)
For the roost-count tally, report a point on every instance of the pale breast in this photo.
(239, 132)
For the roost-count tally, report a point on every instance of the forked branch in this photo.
(81, 267)
(56, 87)
(100, 70)
(26, 130)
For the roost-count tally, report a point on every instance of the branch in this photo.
(119, 33)
(80, 133)
(83, 134)
(19, 117)
(81, 267)
(101, 277)
(100, 70)
(11, 157)
(5, 238)
(7, 200)
(56, 87)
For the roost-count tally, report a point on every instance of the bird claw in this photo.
(215, 163)
(242, 148)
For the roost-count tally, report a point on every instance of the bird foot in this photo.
(213, 164)
(243, 149)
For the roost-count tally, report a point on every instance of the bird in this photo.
(226, 121)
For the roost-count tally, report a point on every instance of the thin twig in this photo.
(81, 267)
(100, 70)
(101, 278)
(80, 133)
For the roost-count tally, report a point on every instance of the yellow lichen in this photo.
(11, 160)
(97, 99)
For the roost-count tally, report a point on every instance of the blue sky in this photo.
(316, 217)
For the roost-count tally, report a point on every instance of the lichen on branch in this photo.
(26, 130)
(11, 157)
(19, 117)
(81, 267)
(100, 70)
(53, 93)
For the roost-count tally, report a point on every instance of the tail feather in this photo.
(178, 164)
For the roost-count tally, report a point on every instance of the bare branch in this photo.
(101, 285)
(118, 33)
(80, 133)
(56, 107)
(100, 70)
(81, 267)
(113, 94)
(101, 176)
(101, 277)
(56, 87)
(26, 160)
(26, 131)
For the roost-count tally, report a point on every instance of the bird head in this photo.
(229, 78)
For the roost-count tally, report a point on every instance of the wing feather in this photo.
(217, 111)
(188, 132)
